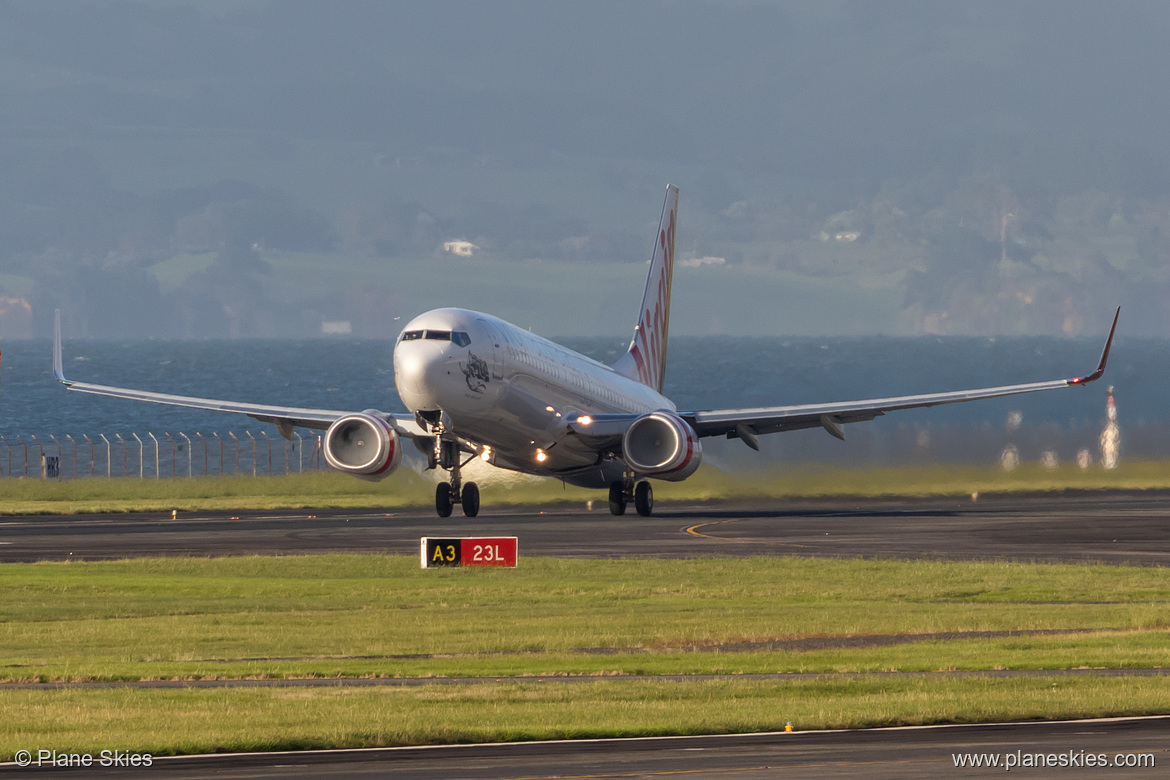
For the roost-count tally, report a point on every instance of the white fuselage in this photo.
(504, 388)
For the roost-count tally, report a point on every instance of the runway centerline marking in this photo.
(692, 530)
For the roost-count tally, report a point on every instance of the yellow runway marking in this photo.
(693, 531)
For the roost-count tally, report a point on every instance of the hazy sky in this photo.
(846, 167)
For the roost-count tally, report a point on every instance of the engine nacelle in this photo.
(363, 445)
(663, 446)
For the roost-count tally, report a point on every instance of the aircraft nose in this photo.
(415, 374)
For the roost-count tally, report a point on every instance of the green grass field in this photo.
(372, 615)
(169, 722)
(407, 488)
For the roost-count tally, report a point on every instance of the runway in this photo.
(1126, 746)
(1115, 528)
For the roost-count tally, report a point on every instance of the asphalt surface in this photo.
(1107, 527)
(1113, 528)
(1129, 748)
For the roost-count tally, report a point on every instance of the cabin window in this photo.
(412, 335)
(460, 339)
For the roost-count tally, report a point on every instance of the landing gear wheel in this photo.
(644, 499)
(443, 502)
(471, 499)
(617, 499)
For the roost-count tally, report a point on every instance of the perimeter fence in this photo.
(181, 455)
(165, 455)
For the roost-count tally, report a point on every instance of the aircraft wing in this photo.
(284, 417)
(747, 424)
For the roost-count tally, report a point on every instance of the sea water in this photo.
(702, 373)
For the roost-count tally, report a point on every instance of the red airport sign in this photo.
(468, 551)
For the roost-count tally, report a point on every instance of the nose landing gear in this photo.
(448, 494)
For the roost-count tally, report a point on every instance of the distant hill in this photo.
(170, 166)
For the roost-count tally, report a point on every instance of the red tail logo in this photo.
(648, 348)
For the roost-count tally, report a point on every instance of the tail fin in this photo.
(645, 360)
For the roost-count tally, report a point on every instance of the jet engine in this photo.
(663, 446)
(363, 445)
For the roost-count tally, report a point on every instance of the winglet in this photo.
(1084, 380)
(58, 362)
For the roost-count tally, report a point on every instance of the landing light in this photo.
(549, 409)
(486, 455)
(584, 420)
(541, 456)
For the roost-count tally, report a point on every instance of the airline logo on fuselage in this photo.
(475, 371)
(649, 347)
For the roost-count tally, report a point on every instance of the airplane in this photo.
(479, 387)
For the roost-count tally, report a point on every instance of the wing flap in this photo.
(774, 419)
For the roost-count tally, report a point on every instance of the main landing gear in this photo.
(448, 494)
(621, 493)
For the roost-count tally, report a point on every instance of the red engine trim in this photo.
(687, 452)
(387, 453)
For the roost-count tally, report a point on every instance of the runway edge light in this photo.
(468, 551)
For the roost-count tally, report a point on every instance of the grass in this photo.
(310, 489)
(167, 722)
(408, 488)
(372, 615)
(348, 615)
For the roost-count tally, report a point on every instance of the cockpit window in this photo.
(458, 337)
